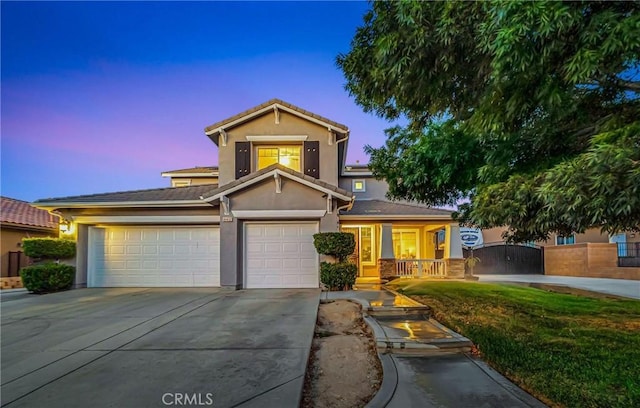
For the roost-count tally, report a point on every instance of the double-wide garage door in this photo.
(281, 255)
(130, 256)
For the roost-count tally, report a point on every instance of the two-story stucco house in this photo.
(249, 222)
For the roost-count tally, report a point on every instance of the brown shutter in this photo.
(243, 159)
(312, 159)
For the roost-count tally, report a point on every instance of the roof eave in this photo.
(401, 217)
(213, 131)
(270, 174)
(52, 205)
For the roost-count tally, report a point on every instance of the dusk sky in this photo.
(100, 97)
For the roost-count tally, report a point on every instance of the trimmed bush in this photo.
(338, 276)
(337, 244)
(49, 248)
(47, 277)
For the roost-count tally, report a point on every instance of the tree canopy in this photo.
(528, 112)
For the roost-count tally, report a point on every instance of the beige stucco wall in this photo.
(11, 240)
(375, 189)
(194, 181)
(263, 196)
(289, 125)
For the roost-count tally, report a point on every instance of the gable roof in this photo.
(22, 213)
(279, 170)
(213, 130)
(168, 196)
(378, 209)
(189, 196)
(208, 171)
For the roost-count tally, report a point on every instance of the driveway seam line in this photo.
(98, 342)
(266, 391)
(105, 354)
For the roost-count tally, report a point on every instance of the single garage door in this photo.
(281, 255)
(133, 256)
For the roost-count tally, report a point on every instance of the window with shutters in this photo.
(288, 156)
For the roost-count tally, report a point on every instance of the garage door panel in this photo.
(277, 255)
(154, 256)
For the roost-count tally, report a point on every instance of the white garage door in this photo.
(132, 256)
(281, 256)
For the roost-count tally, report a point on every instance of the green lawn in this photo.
(567, 350)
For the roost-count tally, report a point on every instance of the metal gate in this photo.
(508, 260)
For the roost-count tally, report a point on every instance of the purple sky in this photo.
(101, 97)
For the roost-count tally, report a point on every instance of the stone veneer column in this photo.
(387, 261)
(453, 257)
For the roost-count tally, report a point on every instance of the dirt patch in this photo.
(344, 370)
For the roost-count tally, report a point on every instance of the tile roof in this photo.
(187, 193)
(193, 170)
(14, 211)
(378, 208)
(156, 194)
(274, 101)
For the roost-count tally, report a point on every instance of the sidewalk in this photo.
(619, 287)
(425, 364)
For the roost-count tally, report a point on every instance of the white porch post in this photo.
(387, 261)
(453, 257)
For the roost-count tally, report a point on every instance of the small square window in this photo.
(358, 185)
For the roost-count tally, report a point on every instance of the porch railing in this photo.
(420, 268)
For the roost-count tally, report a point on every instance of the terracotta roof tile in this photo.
(20, 212)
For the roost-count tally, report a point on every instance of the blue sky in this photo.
(105, 96)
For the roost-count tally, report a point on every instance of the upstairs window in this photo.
(288, 156)
(560, 240)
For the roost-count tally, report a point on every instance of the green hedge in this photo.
(338, 244)
(49, 248)
(47, 277)
(338, 276)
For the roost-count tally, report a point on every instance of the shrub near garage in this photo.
(48, 275)
(340, 275)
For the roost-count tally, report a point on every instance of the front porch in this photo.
(386, 250)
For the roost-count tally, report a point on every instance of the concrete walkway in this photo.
(618, 287)
(425, 364)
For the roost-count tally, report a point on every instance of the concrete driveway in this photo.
(157, 347)
(619, 287)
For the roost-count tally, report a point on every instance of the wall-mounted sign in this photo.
(227, 219)
(471, 237)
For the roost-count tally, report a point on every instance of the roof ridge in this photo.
(14, 199)
(44, 200)
(274, 101)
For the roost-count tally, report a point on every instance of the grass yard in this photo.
(567, 350)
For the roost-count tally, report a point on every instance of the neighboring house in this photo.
(192, 176)
(281, 178)
(593, 235)
(18, 219)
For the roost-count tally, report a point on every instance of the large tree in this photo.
(529, 112)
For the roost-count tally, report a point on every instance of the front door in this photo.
(355, 256)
